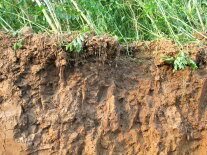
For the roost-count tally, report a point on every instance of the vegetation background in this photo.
(129, 20)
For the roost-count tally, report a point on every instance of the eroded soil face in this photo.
(101, 102)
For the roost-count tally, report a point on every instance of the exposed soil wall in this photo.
(101, 102)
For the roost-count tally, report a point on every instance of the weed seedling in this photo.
(17, 45)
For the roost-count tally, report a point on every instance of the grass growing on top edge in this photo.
(127, 19)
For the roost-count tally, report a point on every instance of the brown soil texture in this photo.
(100, 102)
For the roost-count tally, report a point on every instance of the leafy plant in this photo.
(180, 62)
(17, 45)
(77, 44)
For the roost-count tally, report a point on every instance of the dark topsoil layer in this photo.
(100, 101)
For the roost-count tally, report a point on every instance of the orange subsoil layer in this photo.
(100, 101)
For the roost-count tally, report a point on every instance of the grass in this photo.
(127, 19)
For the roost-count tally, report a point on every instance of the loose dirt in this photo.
(100, 101)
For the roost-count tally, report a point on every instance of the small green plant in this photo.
(77, 44)
(17, 45)
(180, 61)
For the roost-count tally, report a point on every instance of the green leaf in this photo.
(79, 49)
(175, 67)
(40, 8)
(81, 38)
(74, 43)
(71, 47)
(182, 54)
(79, 41)
(15, 46)
(170, 60)
(67, 46)
(193, 65)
